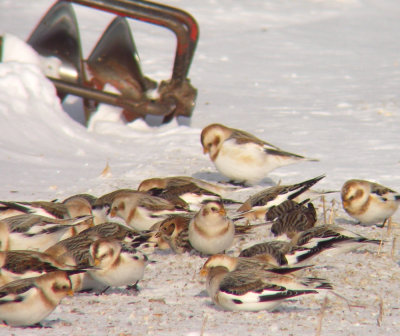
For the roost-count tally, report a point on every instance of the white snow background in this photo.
(319, 78)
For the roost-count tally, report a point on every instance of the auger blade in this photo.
(57, 37)
(115, 60)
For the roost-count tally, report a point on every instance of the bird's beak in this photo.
(222, 212)
(96, 262)
(205, 150)
(112, 213)
(70, 292)
(204, 272)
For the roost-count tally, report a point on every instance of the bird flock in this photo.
(51, 249)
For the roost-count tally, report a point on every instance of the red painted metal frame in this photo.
(182, 24)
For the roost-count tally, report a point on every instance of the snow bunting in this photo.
(210, 230)
(34, 232)
(256, 206)
(283, 253)
(323, 239)
(112, 231)
(41, 208)
(297, 219)
(117, 264)
(368, 202)
(109, 262)
(254, 289)
(276, 252)
(165, 182)
(76, 251)
(139, 210)
(279, 210)
(87, 197)
(185, 191)
(330, 239)
(79, 205)
(26, 263)
(243, 263)
(175, 231)
(102, 205)
(26, 302)
(241, 156)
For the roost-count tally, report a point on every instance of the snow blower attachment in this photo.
(114, 60)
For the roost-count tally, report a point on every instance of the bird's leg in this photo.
(238, 183)
(103, 291)
(133, 287)
(383, 224)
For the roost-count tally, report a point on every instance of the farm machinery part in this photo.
(114, 60)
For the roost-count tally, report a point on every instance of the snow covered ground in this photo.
(316, 77)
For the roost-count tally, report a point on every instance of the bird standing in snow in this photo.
(34, 232)
(257, 205)
(139, 210)
(210, 230)
(120, 265)
(321, 239)
(254, 288)
(21, 264)
(369, 202)
(241, 156)
(184, 191)
(26, 302)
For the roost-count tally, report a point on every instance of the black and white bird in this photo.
(257, 287)
(257, 205)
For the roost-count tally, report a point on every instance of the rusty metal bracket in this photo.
(176, 96)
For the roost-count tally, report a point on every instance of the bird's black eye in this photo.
(136, 257)
(214, 209)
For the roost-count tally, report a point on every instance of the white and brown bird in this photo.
(79, 205)
(120, 265)
(75, 251)
(20, 264)
(102, 205)
(41, 208)
(174, 230)
(184, 191)
(165, 182)
(29, 301)
(369, 202)
(257, 205)
(109, 263)
(112, 231)
(254, 288)
(34, 232)
(241, 156)
(297, 219)
(211, 230)
(275, 252)
(82, 251)
(140, 210)
(72, 207)
(327, 240)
